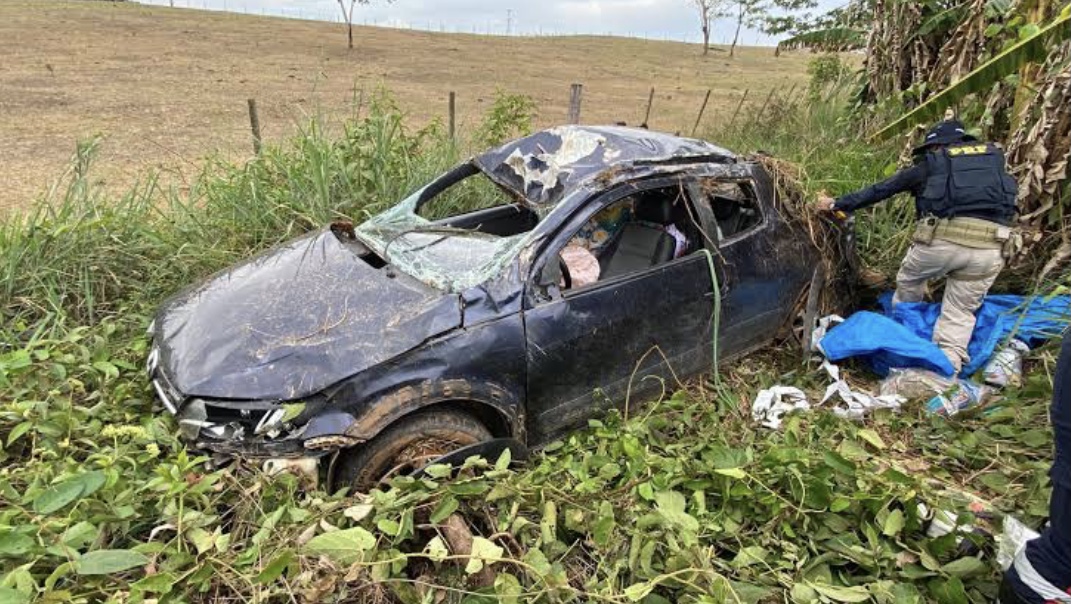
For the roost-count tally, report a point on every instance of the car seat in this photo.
(640, 246)
(727, 215)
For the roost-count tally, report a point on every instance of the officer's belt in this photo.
(968, 232)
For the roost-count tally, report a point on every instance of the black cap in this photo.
(948, 132)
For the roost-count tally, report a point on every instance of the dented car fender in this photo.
(484, 397)
(481, 367)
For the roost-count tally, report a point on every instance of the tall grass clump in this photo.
(510, 116)
(82, 257)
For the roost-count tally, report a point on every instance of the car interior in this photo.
(735, 209)
(466, 199)
(504, 220)
(645, 239)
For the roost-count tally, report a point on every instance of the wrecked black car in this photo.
(599, 267)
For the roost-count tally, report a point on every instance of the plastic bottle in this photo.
(1006, 366)
(966, 395)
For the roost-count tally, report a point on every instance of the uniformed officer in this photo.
(1041, 573)
(965, 202)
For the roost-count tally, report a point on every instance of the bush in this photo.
(510, 116)
(826, 71)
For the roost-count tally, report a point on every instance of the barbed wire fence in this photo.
(508, 25)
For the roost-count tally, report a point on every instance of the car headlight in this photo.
(152, 361)
(270, 421)
(277, 419)
(169, 401)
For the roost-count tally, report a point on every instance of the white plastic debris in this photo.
(856, 405)
(1006, 366)
(915, 384)
(772, 404)
(1012, 541)
(824, 325)
(305, 467)
(832, 370)
(942, 523)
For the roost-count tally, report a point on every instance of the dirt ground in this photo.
(166, 87)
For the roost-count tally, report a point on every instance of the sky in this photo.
(655, 19)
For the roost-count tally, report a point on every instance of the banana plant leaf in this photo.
(835, 38)
(1028, 50)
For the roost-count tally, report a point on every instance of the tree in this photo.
(841, 29)
(348, 16)
(708, 11)
(768, 16)
(745, 11)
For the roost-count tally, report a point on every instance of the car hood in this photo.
(294, 320)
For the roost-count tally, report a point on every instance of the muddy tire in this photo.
(407, 445)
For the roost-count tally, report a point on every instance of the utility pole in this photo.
(509, 21)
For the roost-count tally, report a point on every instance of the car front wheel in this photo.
(406, 446)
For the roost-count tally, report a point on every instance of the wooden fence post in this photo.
(762, 110)
(574, 103)
(738, 107)
(453, 116)
(699, 117)
(254, 124)
(788, 97)
(647, 115)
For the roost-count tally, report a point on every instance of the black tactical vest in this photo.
(968, 180)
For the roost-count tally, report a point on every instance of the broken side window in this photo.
(735, 207)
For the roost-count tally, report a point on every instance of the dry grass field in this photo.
(166, 87)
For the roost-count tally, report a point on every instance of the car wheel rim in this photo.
(420, 453)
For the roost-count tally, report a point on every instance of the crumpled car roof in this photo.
(546, 166)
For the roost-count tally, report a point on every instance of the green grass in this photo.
(687, 501)
(83, 258)
(818, 131)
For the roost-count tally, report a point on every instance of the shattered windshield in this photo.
(428, 237)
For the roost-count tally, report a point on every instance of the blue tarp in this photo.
(901, 337)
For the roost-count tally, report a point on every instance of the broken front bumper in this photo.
(253, 429)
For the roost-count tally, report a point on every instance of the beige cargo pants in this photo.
(970, 271)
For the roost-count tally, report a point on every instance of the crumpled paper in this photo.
(771, 405)
(854, 404)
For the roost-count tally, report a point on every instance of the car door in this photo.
(756, 260)
(617, 340)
